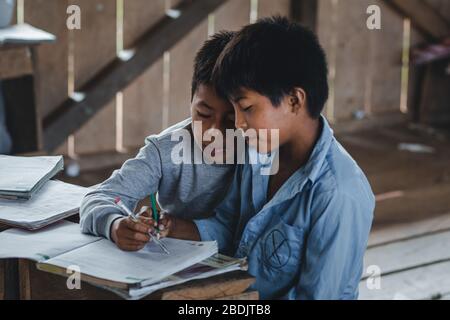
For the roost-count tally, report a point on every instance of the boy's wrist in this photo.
(112, 220)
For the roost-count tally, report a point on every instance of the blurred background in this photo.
(93, 94)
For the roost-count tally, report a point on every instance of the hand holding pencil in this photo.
(133, 232)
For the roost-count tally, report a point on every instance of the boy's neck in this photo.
(297, 151)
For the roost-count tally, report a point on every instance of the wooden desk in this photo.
(9, 270)
(9, 279)
(9, 275)
(36, 284)
(20, 279)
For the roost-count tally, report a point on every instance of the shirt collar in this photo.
(313, 166)
(311, 170)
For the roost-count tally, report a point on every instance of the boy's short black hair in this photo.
(272, 57)
(206, 58)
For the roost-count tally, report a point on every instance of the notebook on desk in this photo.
(132, 275)
(22, 177)
(55, 201)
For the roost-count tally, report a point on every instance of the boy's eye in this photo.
(202, 115)
(246, 109)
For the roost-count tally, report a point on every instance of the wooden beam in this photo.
(119, 74)
(423, 16)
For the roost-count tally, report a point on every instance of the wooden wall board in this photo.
(143, 99)
(94, 48)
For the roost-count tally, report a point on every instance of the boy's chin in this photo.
(262, 148)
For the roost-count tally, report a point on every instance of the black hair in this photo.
(272, 57)
(206, 58)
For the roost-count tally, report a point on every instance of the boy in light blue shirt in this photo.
(304, 228)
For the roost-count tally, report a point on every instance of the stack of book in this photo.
(29, 199)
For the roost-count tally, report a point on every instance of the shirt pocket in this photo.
(279, 258)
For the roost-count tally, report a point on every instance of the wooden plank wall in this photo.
(94, 46)
(441, 6)
(434, 105)
(159, 98)
(365, 66)
(142, 102)
(180, 73)
(53, 58)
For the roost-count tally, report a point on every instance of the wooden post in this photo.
(9, 279)
(24, 279)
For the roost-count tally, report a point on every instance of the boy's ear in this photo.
(297, 99)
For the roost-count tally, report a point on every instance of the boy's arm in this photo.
(136, 179)
(222, 226)
(333, 260)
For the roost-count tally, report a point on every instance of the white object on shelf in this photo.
(24, 34)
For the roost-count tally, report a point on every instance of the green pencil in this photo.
(154, 210)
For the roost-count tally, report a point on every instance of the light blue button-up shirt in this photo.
(308, 241)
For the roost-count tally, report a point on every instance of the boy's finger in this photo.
(140, 237)
(139, 227)
(145, 212)
(165, 223)
(146, 220)
(164, 233)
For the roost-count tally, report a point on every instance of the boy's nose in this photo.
(240, 122)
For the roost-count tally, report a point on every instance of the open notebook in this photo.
(55, 201)
(131, 275)
(22, 177)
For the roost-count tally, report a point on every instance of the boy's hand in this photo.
(131, 235)
(164, 225)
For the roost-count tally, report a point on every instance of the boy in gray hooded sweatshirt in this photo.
(186, 190)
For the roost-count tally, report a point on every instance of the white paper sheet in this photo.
(102, 259)
(55, 201)
(43, 244)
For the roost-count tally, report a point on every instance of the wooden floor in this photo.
(410, 240)
(409, 186)
(409, 247)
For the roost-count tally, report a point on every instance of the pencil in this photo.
(154, 210)
(156, 218)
